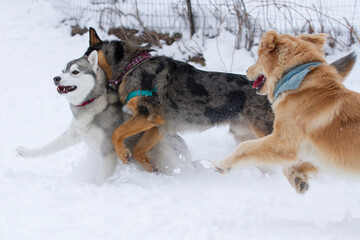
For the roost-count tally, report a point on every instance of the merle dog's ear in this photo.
(93, 37)
(93, 60)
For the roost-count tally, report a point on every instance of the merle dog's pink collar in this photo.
(115, 83)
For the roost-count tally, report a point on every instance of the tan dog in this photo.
(318, 122)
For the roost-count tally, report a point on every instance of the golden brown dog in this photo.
(319, 121)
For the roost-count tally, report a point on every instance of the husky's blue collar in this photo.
(293, 79)
(141, 93)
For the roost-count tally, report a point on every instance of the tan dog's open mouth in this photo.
(259, 82)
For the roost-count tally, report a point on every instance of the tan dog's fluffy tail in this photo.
(345, 64)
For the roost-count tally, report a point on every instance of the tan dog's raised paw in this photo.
(221, 168)
(298, 181)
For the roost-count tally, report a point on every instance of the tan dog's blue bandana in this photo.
(293, 79)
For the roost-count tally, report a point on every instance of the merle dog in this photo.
(165, 95)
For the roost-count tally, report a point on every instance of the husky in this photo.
(172, 96)
(97, 112)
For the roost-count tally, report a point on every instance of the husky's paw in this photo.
(220, 167)
(26, 152)
(99, 181)
(298, 181)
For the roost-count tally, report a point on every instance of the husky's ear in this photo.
(93, 37)
(317, 39)
(93, 60)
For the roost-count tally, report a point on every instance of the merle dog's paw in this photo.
(150, 167)
(155, 169)
(124, 154)
(26, 152)
(128, 155)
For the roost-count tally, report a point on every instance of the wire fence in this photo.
(247, 19)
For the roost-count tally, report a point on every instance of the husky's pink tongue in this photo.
(259, 81)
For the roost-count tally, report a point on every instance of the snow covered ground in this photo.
(53, 198)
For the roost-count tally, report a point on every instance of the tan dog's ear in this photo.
(317, 39)
(94, 38)
(268, 41)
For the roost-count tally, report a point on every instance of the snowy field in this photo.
(54, 198)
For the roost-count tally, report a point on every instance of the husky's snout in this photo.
(57, 80)
(63, 89)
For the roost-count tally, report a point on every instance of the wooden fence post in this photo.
(191, 17)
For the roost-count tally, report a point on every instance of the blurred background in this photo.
(166, 21)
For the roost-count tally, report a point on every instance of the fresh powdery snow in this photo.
(54, 197)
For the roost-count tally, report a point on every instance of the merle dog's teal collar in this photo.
(141, 93)
(292, 79)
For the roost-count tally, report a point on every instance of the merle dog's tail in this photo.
(345, 64)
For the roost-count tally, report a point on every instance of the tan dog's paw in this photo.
(298, 180)
(301, 184)
(221, 167)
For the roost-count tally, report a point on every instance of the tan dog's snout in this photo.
(250, 73)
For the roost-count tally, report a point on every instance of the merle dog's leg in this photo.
(136, 124)
(148, 140)
(241, 132)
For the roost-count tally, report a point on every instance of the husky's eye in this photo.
(75, 72)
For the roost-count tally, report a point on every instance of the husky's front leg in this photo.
(108, 165)
(68, 138)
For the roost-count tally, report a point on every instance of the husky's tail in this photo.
(345, 64)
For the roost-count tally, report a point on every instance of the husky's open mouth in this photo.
(65, 89)
(259, 82)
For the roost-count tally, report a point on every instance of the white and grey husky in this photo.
(97, 113)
